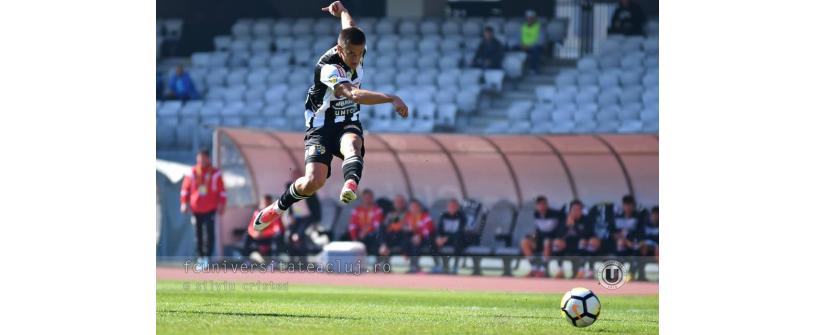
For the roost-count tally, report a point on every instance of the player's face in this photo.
(628, 208)
(399, 203)
(576, 211)
(202, 160)
(368, 198)
(415, 208)
(542, 207)
(452, 207)
(351, 54)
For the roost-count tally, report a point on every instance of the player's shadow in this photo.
(275, 315)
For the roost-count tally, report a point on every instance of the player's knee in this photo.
(313, 183)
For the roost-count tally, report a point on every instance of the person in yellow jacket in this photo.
(532, 40)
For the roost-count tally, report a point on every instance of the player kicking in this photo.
(332, 119)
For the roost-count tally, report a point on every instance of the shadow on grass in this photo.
(275, 315)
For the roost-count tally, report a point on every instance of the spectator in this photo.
(303, 214)
(490, 51)
(649, 237)
(203, 194)
(365, 222)
(421, 230)
(270, 241)
(450, 234)
(159, 85)
(393, 232)
(532, 40)
(573, 236)
(181, 86)
(628, 19)
(547, 225)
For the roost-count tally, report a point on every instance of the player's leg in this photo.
(352, 153)
(302, 188)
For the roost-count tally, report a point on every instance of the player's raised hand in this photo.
(335, 8)
(400, 107)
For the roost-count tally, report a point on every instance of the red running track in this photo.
(413, 281)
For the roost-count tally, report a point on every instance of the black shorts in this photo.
(542, 236)
(322, 144)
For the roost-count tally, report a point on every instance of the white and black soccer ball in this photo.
(580, 306)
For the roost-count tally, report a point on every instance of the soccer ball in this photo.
(580, 306)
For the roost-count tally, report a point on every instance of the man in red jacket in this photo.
(203, 193)
(422, 230)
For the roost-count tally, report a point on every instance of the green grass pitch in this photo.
(183, 308)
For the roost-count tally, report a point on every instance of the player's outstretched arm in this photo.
(367, 97)
(337, 9)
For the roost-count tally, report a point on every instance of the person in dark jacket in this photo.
(449, 234)
(490, 51)
(628, 19)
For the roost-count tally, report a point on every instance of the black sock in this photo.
(289, 197)
(352, 168)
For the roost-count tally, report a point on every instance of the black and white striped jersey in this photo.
(323, 109)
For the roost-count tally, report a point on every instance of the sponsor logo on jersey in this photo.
(315, 150)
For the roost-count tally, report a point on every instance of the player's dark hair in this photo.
(352, 35)
(540, 199)
(268, 197)
(576, 202)
(204, 152)
(367, 191)
(655, 209)
(628, 199)
(489, 29)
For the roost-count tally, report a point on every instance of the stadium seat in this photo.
(427, 77)
(222, 42)
(650, 96)
(494, 79)
(448, 78)
(563, 97)
(254, 94)
(242, 27)
(585, 97)
(542, 112)
(587, 64)
(471, 28)
(545, 93)
(447, 114)
(513, 64)
(445, 95)
(566, 78)
(631, 94)
(650, 79)
(191, 108)
(169, 108)
(467, 99)
(499, 221)
(218, 59)
(519, 110)
(630, 77)
(630, 127)
(451, 43)
(236, 76)
(385, 26)
(262, 27)
(587, 78)
(451, 27)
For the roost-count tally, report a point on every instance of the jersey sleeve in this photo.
(331, 75)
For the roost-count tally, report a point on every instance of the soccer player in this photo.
(332, 119)
(450, 233)
(547, 226)
(649, 241)
(573, 236)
